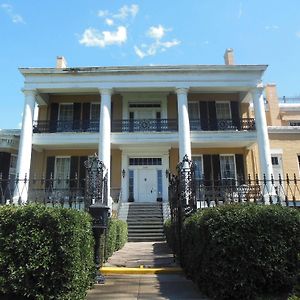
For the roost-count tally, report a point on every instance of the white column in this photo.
(262, 137)
(183, 124)
(105, 131)
(25, 146)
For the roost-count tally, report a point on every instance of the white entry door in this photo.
(147, 185)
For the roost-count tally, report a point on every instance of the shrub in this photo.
(241, 251)
(116, 236)
(45, 253)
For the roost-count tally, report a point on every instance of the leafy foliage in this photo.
(45, 253)
(241, 251)
(116, 236)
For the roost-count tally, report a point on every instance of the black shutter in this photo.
(235, 114)
(86, 116)
(49, 169)
(216, 169)
(4, 164)
(207, 170)
(74, 171)
(203, 115)
(82, 172)
(212, 115)
(53, 117)
(76, 115)
(240, 170)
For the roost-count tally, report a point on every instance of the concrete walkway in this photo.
(149, 255)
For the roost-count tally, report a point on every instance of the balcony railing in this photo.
(289, 99)
(223, 124)
(143, 125)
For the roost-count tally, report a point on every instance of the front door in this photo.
(147, 185)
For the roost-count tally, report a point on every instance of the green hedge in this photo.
(241, 251)
(116, 236)
(45, 253)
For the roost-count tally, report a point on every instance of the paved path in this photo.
(155, 286)
(137, 287)
(147, 254)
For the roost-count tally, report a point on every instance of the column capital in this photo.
(106, 91)
(27, 92)
(181, 90)
(259, 89)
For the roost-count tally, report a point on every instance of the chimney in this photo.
(229, 57)
(61, 62)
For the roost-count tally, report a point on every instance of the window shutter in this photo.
(203, 115)
(4, 164)
(240, 170)
(234, 105)
(216, 169)
(76, 115)
(53, 116)
(73, 171)
(86, 115)
(207, 169)
(212, 115)
(49, 169)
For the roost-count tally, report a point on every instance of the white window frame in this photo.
(194, 157)
(229, 106)
(56, 184)
(234, 166)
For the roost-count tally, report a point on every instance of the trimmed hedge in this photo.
(116, 236)
(45, 253)
(242, 251)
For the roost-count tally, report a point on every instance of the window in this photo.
(227, 165)
(194, 115)
(198, 167)
(131, 185)
(65, 117)
(294, 123)
(13, 164)
(159, 184)
(145, 161)
(223, 110)
(274, 160)
(62, 172)
(94, 116)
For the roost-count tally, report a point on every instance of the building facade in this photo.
(143, 120)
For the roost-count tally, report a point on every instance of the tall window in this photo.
(65, 117)
(62, 172)
(198, 167)
(95, 116)
(227, 165)
(223, 110)
(194, 115)
(131, 185)
(159, 184)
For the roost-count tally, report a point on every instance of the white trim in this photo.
(276, 151)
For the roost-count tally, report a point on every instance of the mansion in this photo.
(142, 121)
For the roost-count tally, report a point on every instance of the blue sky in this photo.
(107, 32)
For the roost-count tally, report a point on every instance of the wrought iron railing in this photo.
(223, 124)
(142, 125)
(289, 99)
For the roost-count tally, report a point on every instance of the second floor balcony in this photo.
(143, 125)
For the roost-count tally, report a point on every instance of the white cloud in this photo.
(109, 21)
(94, 38)
(126, 11)
(271, 27)
(156, 32)
(15, 18)
(103, 13)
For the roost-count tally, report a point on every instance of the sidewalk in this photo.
(133, 284)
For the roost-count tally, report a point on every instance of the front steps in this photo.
(145, 222)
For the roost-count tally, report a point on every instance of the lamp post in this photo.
(96, 197)
(99, 213)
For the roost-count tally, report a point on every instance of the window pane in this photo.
(66, 112)
(223, 110)
(227, 167)
(95, 111)
(62, 172)
(159, 184)
(198, 167)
